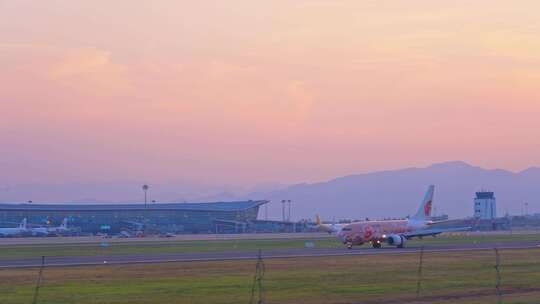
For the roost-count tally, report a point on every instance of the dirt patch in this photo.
(455, 297)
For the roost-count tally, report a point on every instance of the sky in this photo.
(246, 92)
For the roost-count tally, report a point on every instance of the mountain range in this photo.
(397, 193)
(383, 194)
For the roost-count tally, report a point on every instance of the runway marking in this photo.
(268, 256)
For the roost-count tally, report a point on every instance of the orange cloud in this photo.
(310, 88)
(92, 72)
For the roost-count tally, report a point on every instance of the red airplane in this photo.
(394, 232)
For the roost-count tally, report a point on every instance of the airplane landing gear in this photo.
(376, 244)
(349, 245)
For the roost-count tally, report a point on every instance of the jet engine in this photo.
(396, 240)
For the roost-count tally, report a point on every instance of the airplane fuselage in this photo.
(11, 231)
(377, 231)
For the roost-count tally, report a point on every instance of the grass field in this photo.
(458, 277)
(172, 246)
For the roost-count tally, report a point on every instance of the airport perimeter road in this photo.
(179, 237)
(248, 255)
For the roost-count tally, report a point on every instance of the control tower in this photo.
(485, 205)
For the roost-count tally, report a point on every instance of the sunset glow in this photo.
(257, 91)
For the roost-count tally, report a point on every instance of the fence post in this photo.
(257, 281)
(419, 276)
(38, 284)
(498, 275)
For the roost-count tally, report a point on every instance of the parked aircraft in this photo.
(329, 228)
(63, 228)
(19, 230)
(39, 231)
(394, 232)
(46, 231)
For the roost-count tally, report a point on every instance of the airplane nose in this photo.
(342, 236)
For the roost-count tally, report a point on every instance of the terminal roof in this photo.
(214, 206)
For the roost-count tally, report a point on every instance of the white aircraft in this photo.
(329, 228)
(39, 231)
(45, 231)
(394, 232)
(63, 228)
(21, 229)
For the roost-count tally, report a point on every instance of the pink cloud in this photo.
(261, 91)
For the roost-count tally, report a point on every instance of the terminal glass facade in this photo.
(177, 218)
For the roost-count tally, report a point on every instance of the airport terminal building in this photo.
(218, 217)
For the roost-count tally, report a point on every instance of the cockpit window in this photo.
(346, 229)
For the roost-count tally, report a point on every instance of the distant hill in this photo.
(399, 192)
(104, 192)
(394, 193)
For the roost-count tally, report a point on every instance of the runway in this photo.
(214, 237)
(67, 261)
(180, 237)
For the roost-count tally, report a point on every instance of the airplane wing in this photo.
(432, 232)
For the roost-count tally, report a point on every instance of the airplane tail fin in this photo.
(424, 211)
(322, 227)
(22, 225)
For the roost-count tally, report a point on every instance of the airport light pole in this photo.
(289, 216)
(283, 209)
(145, 189)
